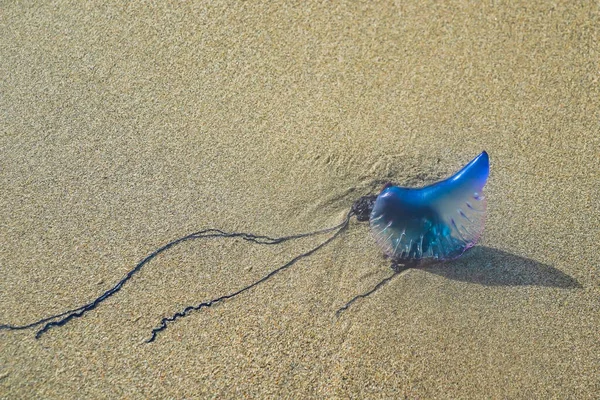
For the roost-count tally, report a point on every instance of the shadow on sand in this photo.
(486, 266)
(493, 267)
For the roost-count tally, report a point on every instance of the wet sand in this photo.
(126, 127)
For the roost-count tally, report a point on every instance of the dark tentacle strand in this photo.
(36, 323)
(362, 207)
(395, 267)
(165, 321)
(64, 317)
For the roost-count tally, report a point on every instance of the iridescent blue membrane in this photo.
(436, 222)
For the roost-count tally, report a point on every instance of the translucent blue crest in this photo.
(436, 222)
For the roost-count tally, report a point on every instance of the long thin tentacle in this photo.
(166, 320)
(62, 318)
(397, 270)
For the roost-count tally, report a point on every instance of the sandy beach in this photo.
(126, 126)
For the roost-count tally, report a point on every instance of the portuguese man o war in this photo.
(413, 227)
(431, 224)
(434, 223)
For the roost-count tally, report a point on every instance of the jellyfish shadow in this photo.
(485, 266)
(492, 267)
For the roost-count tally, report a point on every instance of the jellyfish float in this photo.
(434, 223)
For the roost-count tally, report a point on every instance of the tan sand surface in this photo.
(125, 126)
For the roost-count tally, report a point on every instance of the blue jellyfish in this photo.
(437, 222)
(433, 223)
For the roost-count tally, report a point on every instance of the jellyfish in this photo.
(435, 223)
